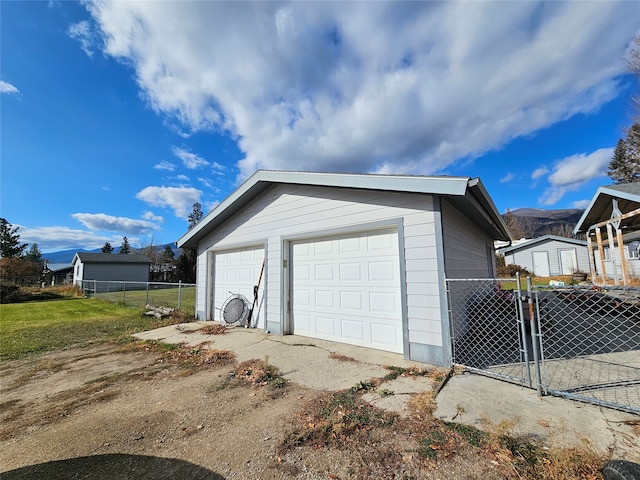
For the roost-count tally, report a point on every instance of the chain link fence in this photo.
(138, 294)
(590, 344)
(583, 342)
(487, 330)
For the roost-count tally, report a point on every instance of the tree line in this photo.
(165, 267)
(18, 262)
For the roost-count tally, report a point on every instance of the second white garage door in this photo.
(347, 289)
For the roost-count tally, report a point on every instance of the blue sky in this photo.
(117, 116)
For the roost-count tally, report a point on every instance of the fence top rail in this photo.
(590, 288)
(482, 279)
(180, 284)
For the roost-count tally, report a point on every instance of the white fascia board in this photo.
(401, 183)
(613, 193)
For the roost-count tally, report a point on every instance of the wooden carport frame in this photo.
(614, 222)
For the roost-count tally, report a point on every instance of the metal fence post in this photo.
(147, 300)
(523, 330)
(179, 292)
(534, 337)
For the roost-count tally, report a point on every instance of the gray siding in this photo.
(116, 272)
(468, 250)
(524, 256)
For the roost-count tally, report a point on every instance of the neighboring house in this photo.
(58, 273)
(549, 255)
(611, 223)
(359, 259)
(110, 267)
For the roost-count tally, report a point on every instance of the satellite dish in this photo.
(634, 246)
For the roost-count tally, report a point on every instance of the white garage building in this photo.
(360, 259)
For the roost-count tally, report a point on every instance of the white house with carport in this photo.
(104, 267)
(611, 224)
(354, 258)
(549, 255)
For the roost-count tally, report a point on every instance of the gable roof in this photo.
(601, 206)
(467, 194)
(85, 257)
(543, 239)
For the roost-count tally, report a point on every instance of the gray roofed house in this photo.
(353, 258)
(611, 224)
(549, 255)
(104, 267)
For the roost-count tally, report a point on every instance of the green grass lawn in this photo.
(35, 327)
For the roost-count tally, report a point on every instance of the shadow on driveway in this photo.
(113, 467)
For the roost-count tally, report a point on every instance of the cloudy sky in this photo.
(117, 116)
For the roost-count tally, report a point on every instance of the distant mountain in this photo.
(66, 256)
(536, 222)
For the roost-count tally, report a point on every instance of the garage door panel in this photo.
(354, 330)
(324, 298)
(351, 301)
(328, 326)
(384, 334)
(353, 294)
(237, 271)
(350, 272)
(382, 271)
(383, 303)
(323, 273)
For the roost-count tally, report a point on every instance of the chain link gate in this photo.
(590, 344)
(489, 333)
(583, 343)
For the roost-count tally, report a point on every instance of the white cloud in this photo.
(581, 204)
(539, 173)
(572, 172)
(384, 86)
(101, 221)
(6, 87)
(182, 177)
(507, 178)
(152, 217)
(63, 238)
(180, 199)
(81, 32)
(164, 165)
(206, 182)
(190, 160)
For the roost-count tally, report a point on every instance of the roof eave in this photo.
(262, 179)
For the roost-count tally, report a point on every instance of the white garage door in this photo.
(237, 271)
(347, 289)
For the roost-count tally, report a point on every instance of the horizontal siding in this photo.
(468, 251)
(524, 257)
(117, 272)
(294, 212)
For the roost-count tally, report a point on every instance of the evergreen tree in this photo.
(167, 254)
(186, 266)
(625, 163)
(34, 254)
(196, 215)
(125, 248)
(107, 248)
(10, 246)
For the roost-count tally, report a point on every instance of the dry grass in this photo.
(342, 358)
(259, 373)
(212, 329)
(383, 445)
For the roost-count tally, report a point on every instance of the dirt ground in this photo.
(110, 412)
